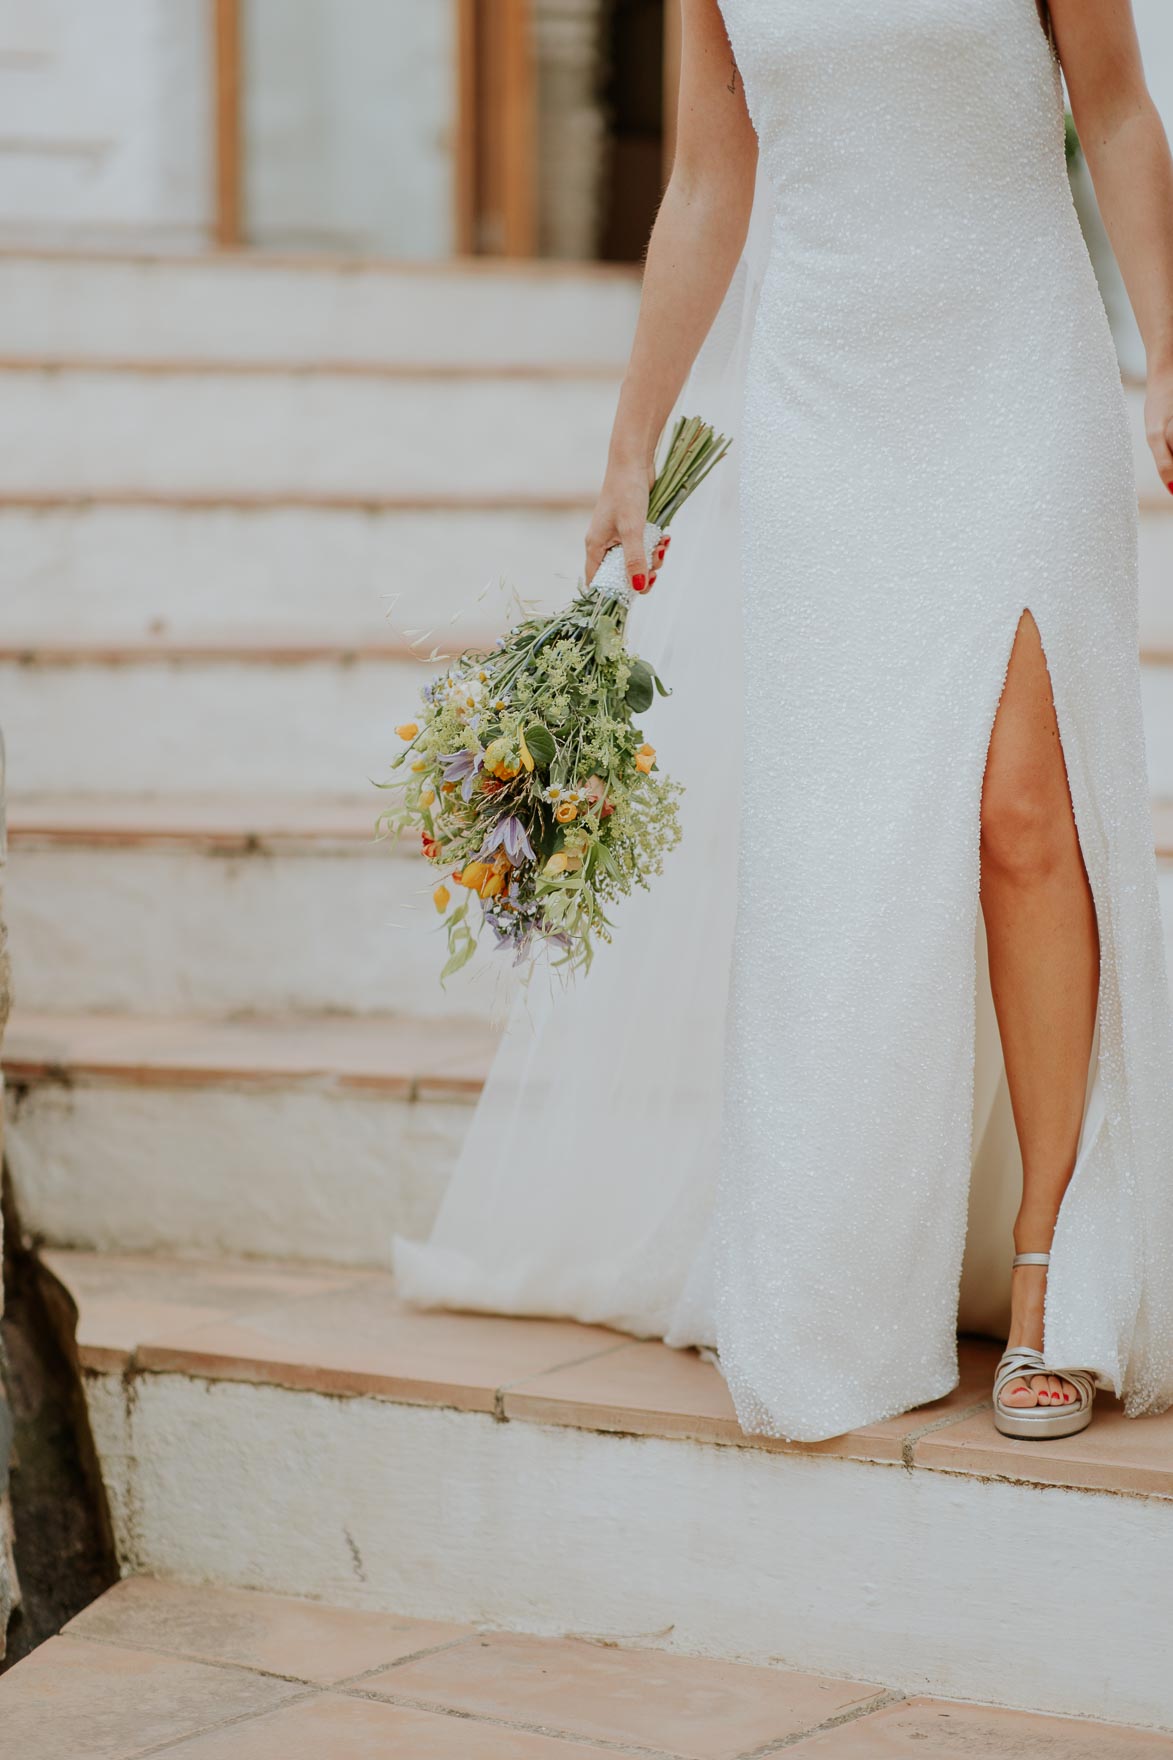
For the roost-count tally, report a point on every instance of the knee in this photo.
(1023, 837)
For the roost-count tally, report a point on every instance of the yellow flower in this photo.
(427, 797)
(644, 761)
(474, 874)
(494, 886)
(566, 812)
(647, 750)
(500, 762)
(526, 754)
(420, 764)
(408, 730)
(441, 898)
(557, 864)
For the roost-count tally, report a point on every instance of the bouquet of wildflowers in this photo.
(526, 776)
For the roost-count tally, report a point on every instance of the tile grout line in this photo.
(908, 1443)
(175, 1744)
(499, 1393)
(145, 1644)
(354, 1682)
(853, 1714)
(550, 1731)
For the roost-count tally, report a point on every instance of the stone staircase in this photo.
(232, 1074)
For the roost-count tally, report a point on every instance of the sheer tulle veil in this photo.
(586, 1180)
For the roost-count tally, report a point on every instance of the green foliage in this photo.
(1071, 139)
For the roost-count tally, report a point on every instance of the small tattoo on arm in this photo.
(732, 86)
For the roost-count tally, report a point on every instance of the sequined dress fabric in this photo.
(776, 1113)
(935, 441)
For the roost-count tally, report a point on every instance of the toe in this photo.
(1042, 1389)
(1019, 1394)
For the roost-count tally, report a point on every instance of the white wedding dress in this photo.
(753, 1126)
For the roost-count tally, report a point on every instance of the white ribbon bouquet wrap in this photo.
(610, 578)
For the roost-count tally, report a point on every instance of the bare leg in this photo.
(1044, 969)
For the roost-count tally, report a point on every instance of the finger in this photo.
(634, 557)
(596, 548)
(1159, 445)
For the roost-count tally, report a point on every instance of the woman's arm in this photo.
(694, 248)
(1128, 156)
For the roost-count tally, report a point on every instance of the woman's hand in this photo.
(620, 515)
(695, 244)
(1158, 423)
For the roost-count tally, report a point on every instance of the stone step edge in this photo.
(246, 649)
(387, 1057)
(189, 367)
(264, 649)
(244, 824)
(294, 500)
(580, 1383)
(268, 501)
(215, 825)
(346, 266)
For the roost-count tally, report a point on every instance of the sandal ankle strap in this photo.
(1031, 1259)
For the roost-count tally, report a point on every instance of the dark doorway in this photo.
(634, 103)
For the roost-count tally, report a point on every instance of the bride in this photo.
(901, 993)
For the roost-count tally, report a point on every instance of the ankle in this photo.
(1034, 1234)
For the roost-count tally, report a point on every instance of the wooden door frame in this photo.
(228, 109)
(496, 193)
(495, 182)
(672, 34)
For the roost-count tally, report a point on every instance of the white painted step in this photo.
(108, 570)
(1156, 575)
(1156, 682)
(312, 1139)
(558, 1477)
(105, 572)
(229, 906)
(215, 431)
(263, 720)
(253, 308)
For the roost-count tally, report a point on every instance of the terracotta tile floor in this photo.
(332, 1330)
(219, 1674)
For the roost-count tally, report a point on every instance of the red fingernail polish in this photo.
(652, 581)
(666, 540)
(1169, 486)
(639, 582)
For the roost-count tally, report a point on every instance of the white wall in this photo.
(1154, 20)
(350, 124)
(104, 120)
(106, 132)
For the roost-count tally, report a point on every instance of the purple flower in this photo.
(462, 767)
(508, 834)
